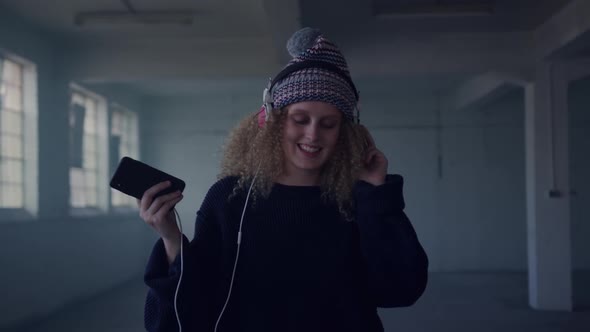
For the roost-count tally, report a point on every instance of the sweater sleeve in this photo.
(396, 263)
(200, 275)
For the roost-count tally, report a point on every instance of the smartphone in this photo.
(133, 178)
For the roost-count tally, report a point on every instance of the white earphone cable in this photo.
(181, 271)
(237, 252)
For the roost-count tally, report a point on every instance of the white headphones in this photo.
(268, 99)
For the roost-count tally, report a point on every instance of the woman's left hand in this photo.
(374, 163)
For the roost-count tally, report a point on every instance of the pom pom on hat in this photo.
(315, 83)
(302, 40)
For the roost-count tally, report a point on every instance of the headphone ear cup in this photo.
(266, 107)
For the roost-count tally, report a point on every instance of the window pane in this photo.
(90, 179)
(12, 196)
(89, 142)
(77, 178)
(11, 171)
(90, 160)
(119, 199)
(128, 133)
(91, 199)
(11, 135)
(12, 99)
(124, 124)
(90, 118)
(2, 93)
(11, 146)
(114, 196)
(85, 184)
(89, 125)
(124, 151)
(101, 122)
(11, 122)
(90, 105)
(12, 72)
(133, 123)
(77, 197)
(131, 201)
(116, 124)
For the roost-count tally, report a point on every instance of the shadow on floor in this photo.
(457, 302)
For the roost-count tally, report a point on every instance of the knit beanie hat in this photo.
(317, 72)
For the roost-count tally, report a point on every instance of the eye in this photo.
(300, 119)
(329, 124)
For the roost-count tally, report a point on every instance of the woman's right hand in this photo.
(158, 212)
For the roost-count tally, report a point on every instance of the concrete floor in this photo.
(454, 302)
(469, 302)
(118, 310)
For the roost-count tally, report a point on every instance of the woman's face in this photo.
(310, 135)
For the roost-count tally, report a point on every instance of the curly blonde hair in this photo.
(250, 149)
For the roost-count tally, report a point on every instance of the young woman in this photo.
(323, 237)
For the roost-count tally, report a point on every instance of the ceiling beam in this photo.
(484, 89)
(405, 11)
(567, 31)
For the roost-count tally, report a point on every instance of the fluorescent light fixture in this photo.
(134, 18)
(435, 10)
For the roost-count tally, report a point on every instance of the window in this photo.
(124, 140)
(18, 135)
(88, 150)
(12, 134)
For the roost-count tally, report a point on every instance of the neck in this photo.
(300, 178)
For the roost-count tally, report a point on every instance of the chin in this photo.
(310, 167)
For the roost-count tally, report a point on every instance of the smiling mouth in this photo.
(309, 148)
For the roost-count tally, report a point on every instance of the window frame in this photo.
(113, 108)
(102, 194)
(29, 138)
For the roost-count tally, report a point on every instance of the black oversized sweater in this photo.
(302, 267)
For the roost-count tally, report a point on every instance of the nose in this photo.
(312, 131)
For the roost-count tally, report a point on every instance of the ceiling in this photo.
(247, 18)
(238, 39)
(213, 19)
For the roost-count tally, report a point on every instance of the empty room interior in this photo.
(483, 106)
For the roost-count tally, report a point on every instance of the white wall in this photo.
(470, 219)
(55, 259)
(469, 213)
(184, 137)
